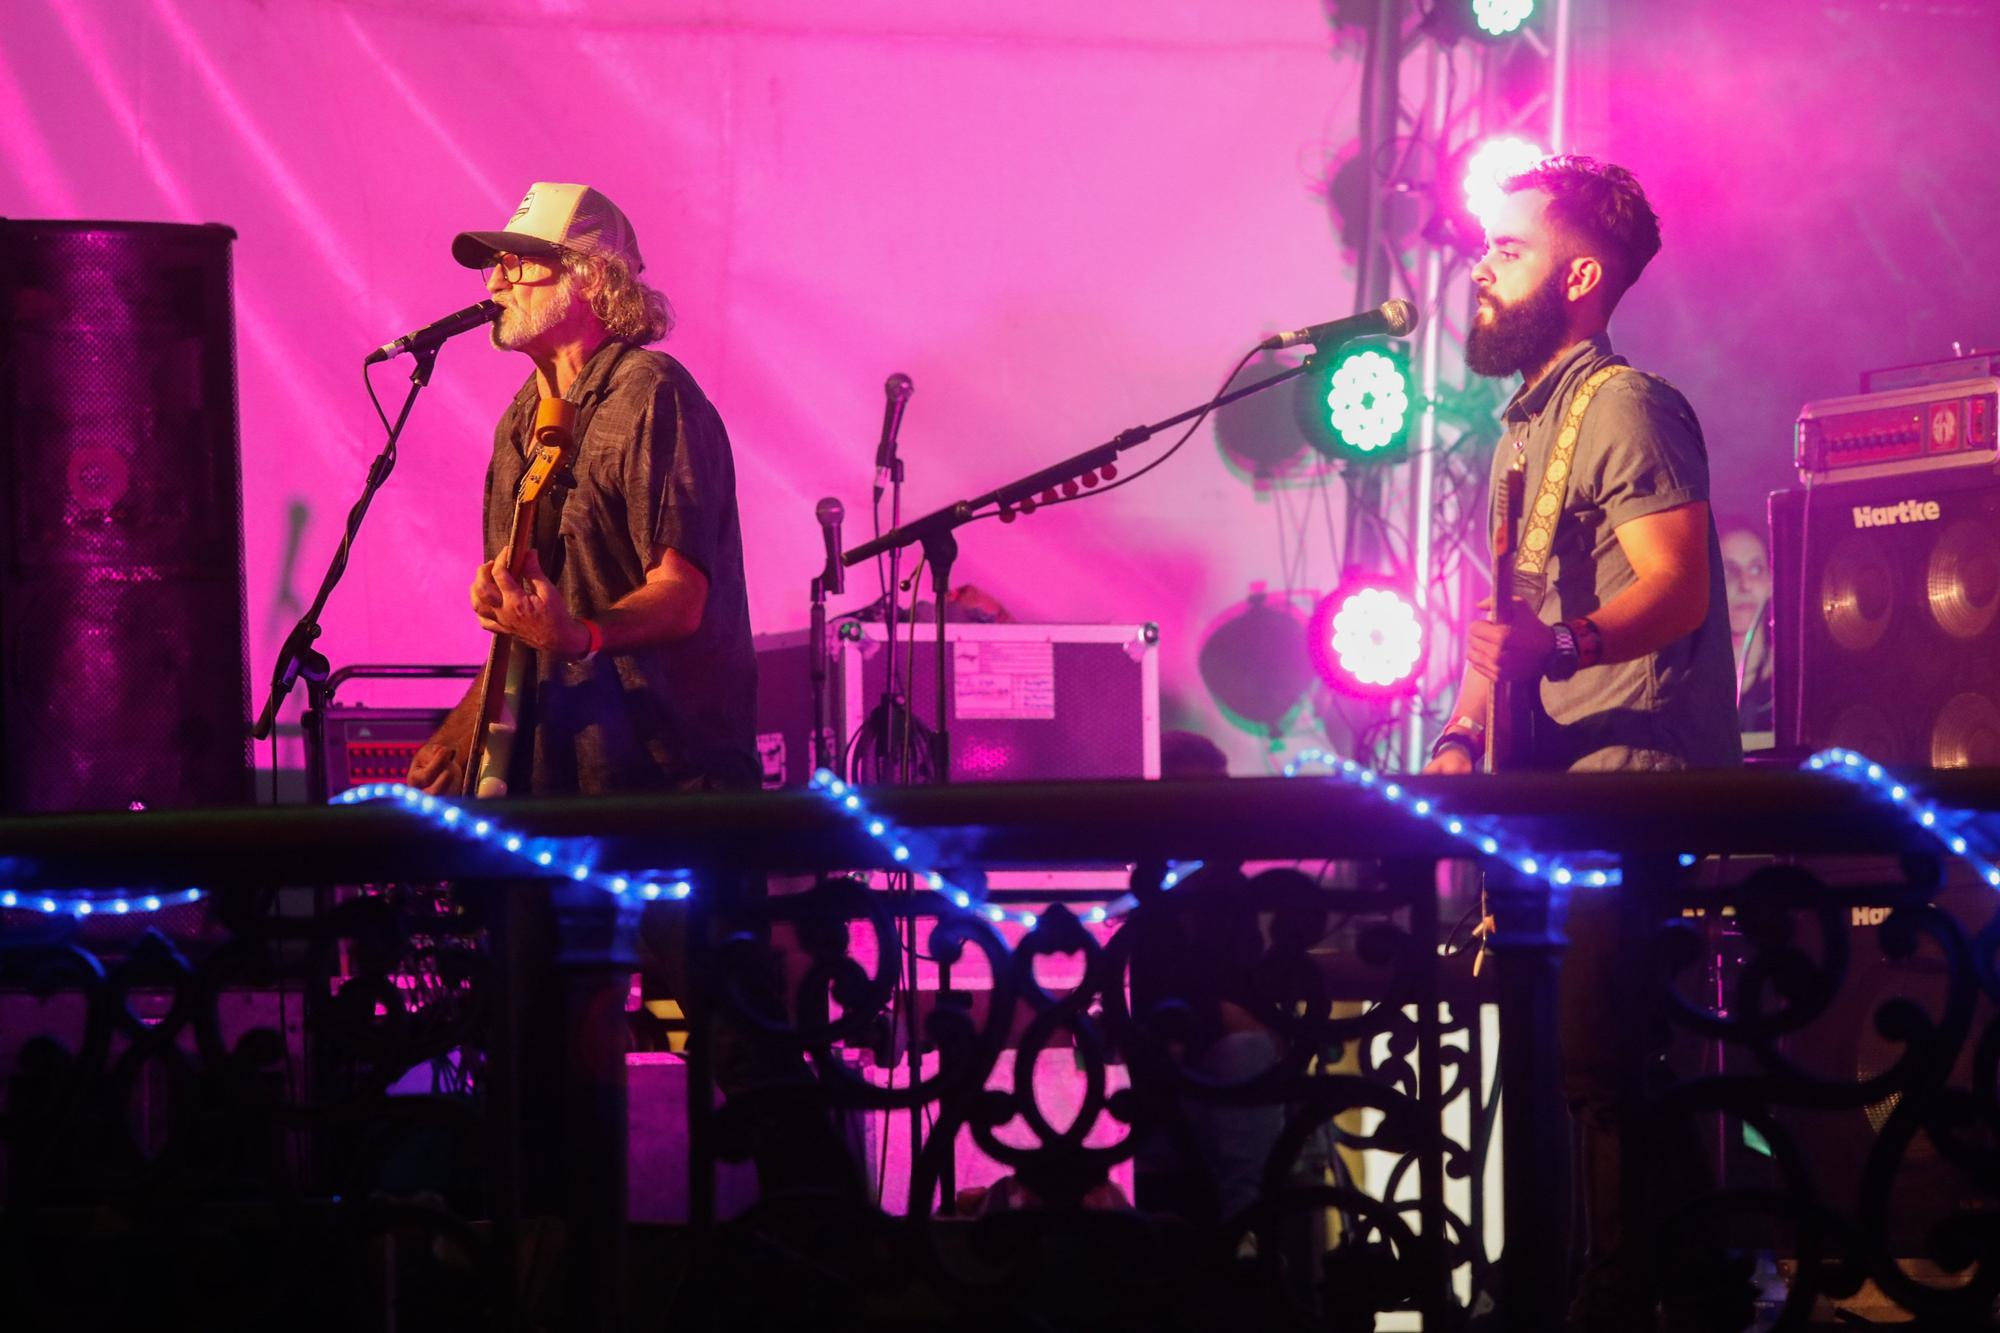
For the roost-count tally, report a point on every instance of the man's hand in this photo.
(1513, 650)
(436, 769)
(1452, 761)
(530, 608)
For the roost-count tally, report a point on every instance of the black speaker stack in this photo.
(1886, 578)
(121, 550)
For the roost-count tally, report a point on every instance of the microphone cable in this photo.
(1172, 449)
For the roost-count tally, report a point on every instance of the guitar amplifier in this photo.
(366, 745)
(1028, 702)
(1901, 430)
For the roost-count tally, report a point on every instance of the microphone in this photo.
(1395, 318)
(830, 511)
(430, 335)
(898, 389)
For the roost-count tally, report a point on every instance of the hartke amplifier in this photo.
(1028, 702)
(1916, 429)
(1886, 601)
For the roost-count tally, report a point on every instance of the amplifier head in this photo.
(1914, 429)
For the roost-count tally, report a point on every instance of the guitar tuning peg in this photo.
(1007, 514)
(1069, 489)
(1027, 507)
(1109, 470)
(1090, 479)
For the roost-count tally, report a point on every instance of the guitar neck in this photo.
(499, 656)
(1502, 709)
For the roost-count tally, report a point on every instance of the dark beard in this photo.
(1522, 337)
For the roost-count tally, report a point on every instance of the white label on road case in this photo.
(1010, 680)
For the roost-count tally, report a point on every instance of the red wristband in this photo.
(1589, 642)
(596, 632)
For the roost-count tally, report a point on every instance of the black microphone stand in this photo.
(297, 657)
(934, 531)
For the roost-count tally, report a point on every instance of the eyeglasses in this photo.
(521, 268)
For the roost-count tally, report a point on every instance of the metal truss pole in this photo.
(1423, 490)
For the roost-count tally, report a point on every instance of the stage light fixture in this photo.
(1367, 638)
(1256, 664)
(1501, 18)
(1488, 166)
(1359, 405)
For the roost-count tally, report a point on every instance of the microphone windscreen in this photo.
(1400, 316)
(830, 511)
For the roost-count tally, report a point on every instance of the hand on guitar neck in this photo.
(530, 608)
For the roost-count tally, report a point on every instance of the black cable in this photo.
(386, 427)
(1172, 449)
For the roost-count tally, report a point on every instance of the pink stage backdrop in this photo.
(1060, 219)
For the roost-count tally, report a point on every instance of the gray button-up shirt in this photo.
(653, 468)
(1639, 451)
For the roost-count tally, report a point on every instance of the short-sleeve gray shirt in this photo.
(653, 469)
(1639, 451)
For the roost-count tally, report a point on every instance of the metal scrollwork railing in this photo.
(352, 1110)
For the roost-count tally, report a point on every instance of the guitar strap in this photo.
(549, 545)
(548, 519)
(1533, 559)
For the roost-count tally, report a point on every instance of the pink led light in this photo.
(1367, 639)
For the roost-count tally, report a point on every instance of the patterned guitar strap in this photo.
(1531, 561)
(1540, 528)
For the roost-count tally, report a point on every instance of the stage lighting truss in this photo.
(1367, 639)
(1360, 405)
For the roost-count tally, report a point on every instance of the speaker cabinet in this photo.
(1886, 602)
(121, 543)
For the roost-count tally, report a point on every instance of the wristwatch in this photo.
(1564, 657)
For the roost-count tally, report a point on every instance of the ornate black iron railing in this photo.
(167, 1152)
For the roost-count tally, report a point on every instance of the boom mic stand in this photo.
(934, 532)
(297, 657)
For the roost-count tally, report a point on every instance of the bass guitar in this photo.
(507, 663)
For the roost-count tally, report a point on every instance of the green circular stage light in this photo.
(1497, 18)
(1368, 401)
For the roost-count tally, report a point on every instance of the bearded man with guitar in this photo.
(628, 609)
(1609, 646)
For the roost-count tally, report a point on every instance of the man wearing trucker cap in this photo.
(633, 602)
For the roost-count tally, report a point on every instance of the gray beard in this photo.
(514, 330)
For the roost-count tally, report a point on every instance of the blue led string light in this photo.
(1487, 836)
(540, 853)
(1957, 831)
(98, 902)
(911, 851)
(1947, 826)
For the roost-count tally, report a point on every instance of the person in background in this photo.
(1746, 572)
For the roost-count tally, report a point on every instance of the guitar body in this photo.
(1511, 710)
(504, 683)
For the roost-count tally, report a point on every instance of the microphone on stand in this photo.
(898, 389)
(830, 511)
(430, 335)
(1394, 318)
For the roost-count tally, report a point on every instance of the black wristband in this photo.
(1464, 740)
